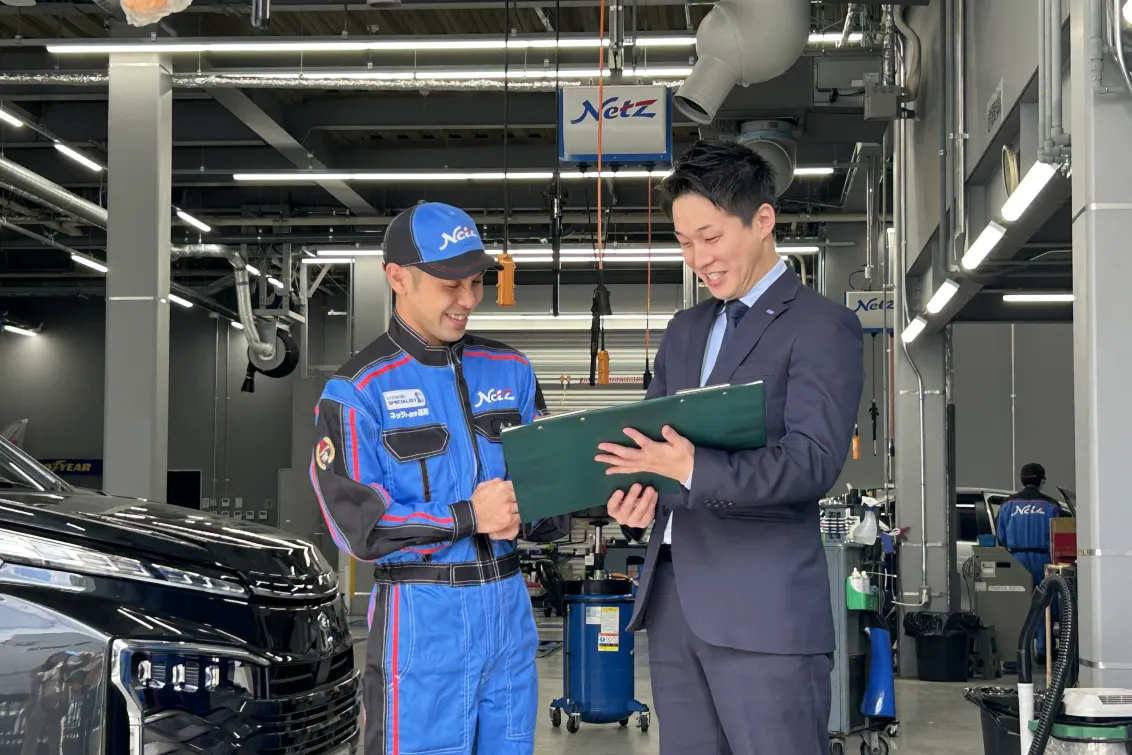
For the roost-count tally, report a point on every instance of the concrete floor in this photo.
(934, 718)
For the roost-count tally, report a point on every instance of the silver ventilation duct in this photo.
(742, 42)
(36, 187)
(774, 142)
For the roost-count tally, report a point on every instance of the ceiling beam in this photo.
(254, 113)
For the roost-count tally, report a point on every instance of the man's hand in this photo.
(508, 534)
(635, 508)
(672, 457)
(495, 506)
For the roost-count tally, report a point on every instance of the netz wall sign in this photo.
(874, 309)
(636, 124)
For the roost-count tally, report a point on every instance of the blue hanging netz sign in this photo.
(875, 311)
(636, 124)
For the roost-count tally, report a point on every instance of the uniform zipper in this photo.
(484, 550)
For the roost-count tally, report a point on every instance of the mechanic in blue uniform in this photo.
(1023, 527)
(409, 473)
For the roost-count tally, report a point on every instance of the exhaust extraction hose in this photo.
(1054, 586)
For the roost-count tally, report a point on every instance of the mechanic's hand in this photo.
(635, 508)
(495, 506)
(508, 534)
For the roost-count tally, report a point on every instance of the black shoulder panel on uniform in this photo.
(488, 343)
(381, 349)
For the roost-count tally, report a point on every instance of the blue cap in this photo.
(439, 239)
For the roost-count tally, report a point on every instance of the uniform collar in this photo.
(416, 347)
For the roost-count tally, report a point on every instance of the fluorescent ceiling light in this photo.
(275, 282)
(476, 175)
(366, 252)
(20, 331)
(186, 217)
(91, 263)
(327, 260)
(10, 119)
(539, 321)
(817, 39)
(1040, 298)
(913, 329)
(178, 300)
(787, 249)
(252, 270)
(1127, 12)
(983, 245)
(1028, 189)
(237, 325)
(942, 296)
(685, 41)
(347, 45)
(81, 159)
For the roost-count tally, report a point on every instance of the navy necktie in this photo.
(735, 311)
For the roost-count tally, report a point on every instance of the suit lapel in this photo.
(701, 319)
(766, 308)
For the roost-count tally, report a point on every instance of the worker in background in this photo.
(734, 589)
(409, 473)
(1023, 527)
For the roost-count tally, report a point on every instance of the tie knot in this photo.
(735, 311)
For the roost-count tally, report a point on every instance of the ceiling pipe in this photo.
(39, 189)
(742, 42)
(36, 187)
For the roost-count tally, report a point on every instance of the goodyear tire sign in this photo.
(69, 467)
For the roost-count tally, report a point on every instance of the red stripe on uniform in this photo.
(493, 355)
(396, 749)
(427, 551)
(384, 369)
(355, 472)
(416, 514)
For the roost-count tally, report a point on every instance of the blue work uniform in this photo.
(406, 431)
(1023, 529)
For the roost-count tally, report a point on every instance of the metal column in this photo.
(1102, 222)
(371, 305)
(921, 494)
(136, 428)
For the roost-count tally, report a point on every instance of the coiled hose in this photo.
(1066, 656)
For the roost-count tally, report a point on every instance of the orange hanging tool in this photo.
(505, 287)
(856, 444)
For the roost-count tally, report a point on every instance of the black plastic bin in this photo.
(998, 708)
(942, 657)
(943, 644)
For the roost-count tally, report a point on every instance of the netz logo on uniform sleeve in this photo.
(494, 396)
(410, 398)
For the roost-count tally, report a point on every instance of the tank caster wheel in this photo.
(555, 717)
(836, 747)
(643, 721)
(881, 747)
(893, 729)
(573, 723)
(623, 722)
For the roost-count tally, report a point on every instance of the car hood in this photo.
(272, 562)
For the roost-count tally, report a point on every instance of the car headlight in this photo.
(49, 554)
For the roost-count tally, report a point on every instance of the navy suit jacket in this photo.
(746, 548)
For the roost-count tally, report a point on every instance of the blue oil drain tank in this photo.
(598, 658)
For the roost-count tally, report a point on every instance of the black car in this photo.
(131, 627)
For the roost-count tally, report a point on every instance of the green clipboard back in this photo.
(551, 460)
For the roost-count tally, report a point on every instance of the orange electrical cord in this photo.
(648, 271)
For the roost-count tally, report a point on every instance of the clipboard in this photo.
(551, 461)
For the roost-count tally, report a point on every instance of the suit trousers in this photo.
(713, 700)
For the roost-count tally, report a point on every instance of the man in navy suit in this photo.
(734, 590)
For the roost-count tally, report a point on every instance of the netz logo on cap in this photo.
(459, 233)
(406, 399)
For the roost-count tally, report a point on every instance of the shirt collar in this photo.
(764, 283)
(416, 347)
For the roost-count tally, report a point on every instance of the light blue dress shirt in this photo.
(715, 340)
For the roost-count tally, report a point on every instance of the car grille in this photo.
(323, 721)
(290, 679)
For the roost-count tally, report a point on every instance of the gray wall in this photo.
(56, 380)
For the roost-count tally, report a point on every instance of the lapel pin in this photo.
(770, 311)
